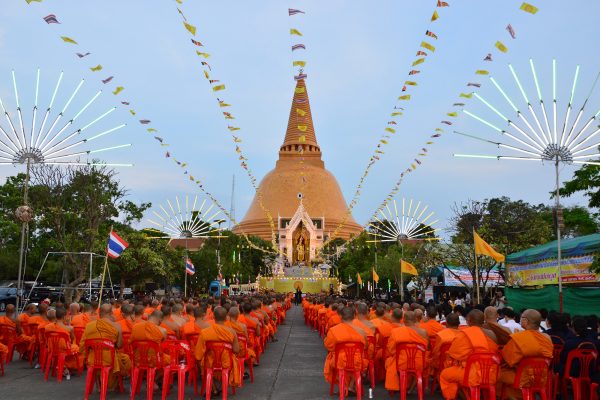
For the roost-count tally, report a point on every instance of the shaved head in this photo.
(410, 318)
(156, 317)
(234, 313)
(220, 314)
(475, 318)
(105, 310)
(452, 320)
(51, 315)
(347, 314)
(74, 308)
(534, 318)
(419, 314)
(491, 313)
(397, 315)
(10, 309)
(362, 309)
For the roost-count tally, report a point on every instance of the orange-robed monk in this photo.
(81, 320)
(126, 320)
(408, 334)
(343, 332)
(105, 328)
(442, 338)
(240, 329)
(219, 332)
(73, 359)
(151, 331)
(527, 343)
(468, 341)
(429, 324)
(23, 342)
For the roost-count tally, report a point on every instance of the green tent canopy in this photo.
(569, 248)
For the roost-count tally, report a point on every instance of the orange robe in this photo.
(468, 341)
(100, 329)
(401, 334)
(73, 360)
(218, 333)
(80, 320)
(446, 335)
(240, 329)
(22, 341)
(147, 331)
(370, 331)
(189, 327)
(126, 325)
(527, 343)
(385, 330)
(169, 328)
(432, 327)
(334, 320)
(343, 332)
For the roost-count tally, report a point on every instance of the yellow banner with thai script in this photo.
(574, 270)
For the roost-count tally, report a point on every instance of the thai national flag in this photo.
(189, 267)
(116, 245)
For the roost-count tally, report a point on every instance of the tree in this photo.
(587, 180)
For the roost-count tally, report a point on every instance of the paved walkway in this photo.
(291, 369)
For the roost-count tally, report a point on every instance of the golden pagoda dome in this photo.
(299, 173)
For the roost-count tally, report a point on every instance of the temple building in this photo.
(304, 199)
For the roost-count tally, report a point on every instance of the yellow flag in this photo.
(201, 54)
(97, 68)
(408, 268)
(218, 87)
(418, 61)
(223, 104)
(500, 46)
(132, 112)
(435, 16)
(191, 28)
(295, 32)
(206, 74)
(375, 276)
(529, 8)
(299, 90)
(482, 72)
(466, 95)
(404, 97)
(358, 279)
(67, 39)
(302, 128)
(118, 90)
(150, 130)
(427, 46)
(411, 83)
(299, 63)
(390, 130)
(452, 114)
(396, 113)
(483, 248)
(383, 141)
(31, 1)
(300, 112)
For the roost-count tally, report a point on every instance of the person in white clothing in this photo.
(509, 321)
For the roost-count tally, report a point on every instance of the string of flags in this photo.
(438, 131)
(218, 87)
(425, 51)
(52, 19)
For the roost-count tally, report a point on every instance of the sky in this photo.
(358, 54)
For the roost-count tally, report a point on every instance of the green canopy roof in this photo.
(569, 248)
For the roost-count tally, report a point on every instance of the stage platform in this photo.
(287, 284)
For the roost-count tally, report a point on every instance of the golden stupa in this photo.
(297, 173)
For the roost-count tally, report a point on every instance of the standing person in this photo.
(298, 296)
(499, 300)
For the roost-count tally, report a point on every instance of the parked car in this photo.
(8, 295)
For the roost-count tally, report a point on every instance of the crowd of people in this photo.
(446, 339)
(243, 324)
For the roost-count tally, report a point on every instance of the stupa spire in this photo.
(300, 133)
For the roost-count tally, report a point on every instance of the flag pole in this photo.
(476, 266)
(104, 271)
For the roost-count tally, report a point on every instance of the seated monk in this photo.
(528, 343)
(177, 316)
(73, 360)
(446, 335)
(429, 323)
(219, 332)
(343, 332)
(81, 320)
(41, 319)
(149, 330)
(469, 340)
(491, 322)
(117, 313)
(167, 323)
(73, 311)
(22, 342)
(335, 317)
(126, 320)
(409, 334)
(190, 326)
(105, 328)
(138, 314)
(383, 330)
(363, 322)
(251, 323)
(241, 330)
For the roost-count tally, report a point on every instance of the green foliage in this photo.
(587, 180)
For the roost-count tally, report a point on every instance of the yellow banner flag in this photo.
(191, 28)
(396, 113)
(299, 90)
(500, 46)
(300, 112)
(375, 276)
(452, 114)
(132, 112)
(411, 83)
(206, 75)
(302, 128)
(435, 16)
(530, 8)
(427, 46)
(383, 141)
(390, 130)
(218, 87)
(97, 68)
(358, 279)
(482, 72)
(483, 248)
(67, 39)
(466, 95)
(418, 61)
(404, 97)
(118, 90)
(201, 54)
(295, 32)
(299, 63)
(408, 268)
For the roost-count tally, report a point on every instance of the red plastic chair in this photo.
(594, 391)
(381, 345)
(489, 368)
(217, 349)
(145, 360)
(31, 330)
(78, 331)
(57, 357)
(181, 362)
(126, 344)
(8, 336)
(192, 339)
(242, 361)
(97, 347)
(252, 343)
(371, 344)
(585, 358)
(553, 385)
(535, 368)
(42, 348)
(412, 352)
(351, 350)
(437, 369)
(322, 324)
